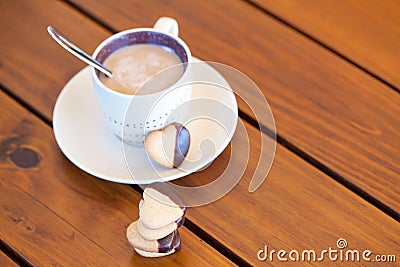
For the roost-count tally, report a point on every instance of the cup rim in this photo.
(117, 35)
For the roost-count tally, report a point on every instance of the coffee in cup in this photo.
(131, 113)
(133, 65)
(155, 100)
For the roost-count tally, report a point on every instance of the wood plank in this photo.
(31, 63)
(366, 32)
(328, 108)
(6, 261)
(297, 207)
(340, 215)
(51, 210)
(40, 235)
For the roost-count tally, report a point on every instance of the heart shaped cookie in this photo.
(168, 146)
(158, 210)
(161, 213)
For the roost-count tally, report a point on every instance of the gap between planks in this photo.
(281, 140)
(203, 235)
(324, 45)
(323, 168)
(196, 230)
(14, 255)
(19, 259)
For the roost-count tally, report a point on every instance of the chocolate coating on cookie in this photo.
(162, 245)
(168, 146)
(182, 144)
(172, 241)
(180, 221)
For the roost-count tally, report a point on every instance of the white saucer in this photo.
(82, 136)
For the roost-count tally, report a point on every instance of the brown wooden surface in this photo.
(362, 113)
(6, 261)
(297, 207)
(325, 106)
(54, 214)
(367, 32)
(35, 67)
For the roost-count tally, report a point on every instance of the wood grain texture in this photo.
(328, 108)
(6, 261)
(32, 64)
(54, 214)
(297, 207)
(366, 32)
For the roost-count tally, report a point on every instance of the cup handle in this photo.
(167, 25)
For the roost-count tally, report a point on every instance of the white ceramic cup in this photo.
(131, 117)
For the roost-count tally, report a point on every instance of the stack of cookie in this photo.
(161, 213)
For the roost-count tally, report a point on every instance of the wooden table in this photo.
(330, 71)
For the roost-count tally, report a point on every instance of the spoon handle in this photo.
(76, 51)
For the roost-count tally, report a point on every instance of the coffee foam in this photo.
(134, 65)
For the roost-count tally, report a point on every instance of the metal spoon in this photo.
(76, 51)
